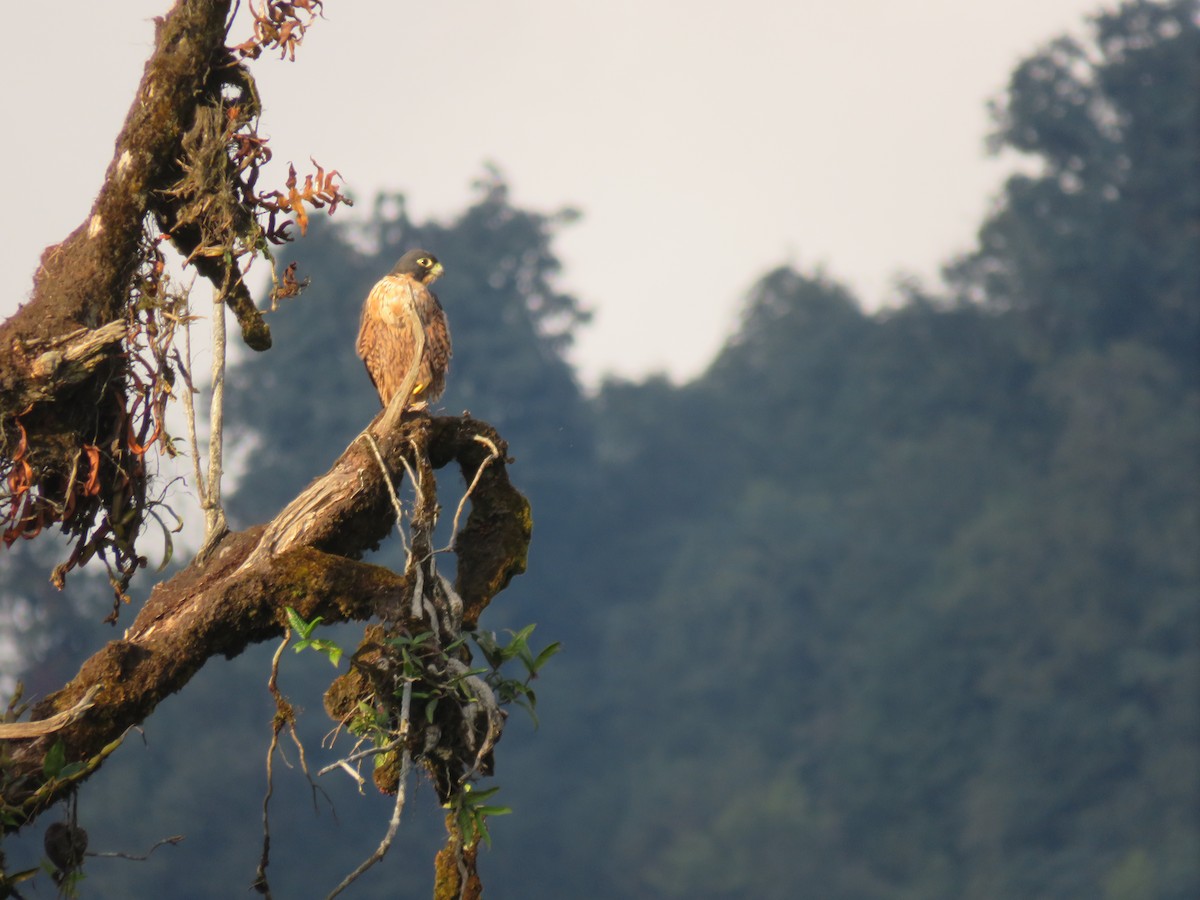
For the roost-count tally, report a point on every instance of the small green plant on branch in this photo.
(304, 631)
(436, 676)
(514, 690)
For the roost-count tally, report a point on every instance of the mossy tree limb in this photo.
(87, 370)
(84, 281)
(237, 595)
(69, 422)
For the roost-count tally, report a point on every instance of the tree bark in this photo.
(86, 372)
(224, 603)
(65, 400)
(84, 281)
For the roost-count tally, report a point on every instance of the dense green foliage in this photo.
(902, 605)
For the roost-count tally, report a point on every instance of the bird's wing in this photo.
(437, 335)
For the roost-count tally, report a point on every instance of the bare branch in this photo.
(136, 857)
(189, 408)
(344, 762)
(462, 502)
(215, 527)
(397, 807)
(57, 722)
(397, 507)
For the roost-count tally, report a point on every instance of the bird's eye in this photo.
(424, 262)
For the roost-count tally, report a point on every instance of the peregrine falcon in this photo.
(387, 336)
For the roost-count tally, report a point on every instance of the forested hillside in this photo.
(890, 605)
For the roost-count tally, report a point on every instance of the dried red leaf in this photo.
(278, 26)
(91, 487)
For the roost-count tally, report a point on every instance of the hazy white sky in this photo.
(704, 142)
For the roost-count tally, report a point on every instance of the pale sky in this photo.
(704, 142)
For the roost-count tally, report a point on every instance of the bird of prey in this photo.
(399, 304)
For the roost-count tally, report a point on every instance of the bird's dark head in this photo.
(420, 264)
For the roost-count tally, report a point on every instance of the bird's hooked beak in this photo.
(436, 272)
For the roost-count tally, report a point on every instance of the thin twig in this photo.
(217, 406)
(349, 770)
(264, 859)
(418, 600)
(415, 481)
(397, 808)
(189, 406)
(453, 545)
(387, 480)
(214, 513)
(173, 839)
(362, 754)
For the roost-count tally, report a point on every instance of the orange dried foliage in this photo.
(287, 286)
(91, 487)
(98, 494)
(318, 191)
(278, 25)
(22, 519)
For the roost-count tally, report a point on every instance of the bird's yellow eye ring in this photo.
(424, 262)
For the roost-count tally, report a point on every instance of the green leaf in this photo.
(56, 758)
(489, 647)
(71, 769)
(169, 546)
(518, 646)
(466, 824)
(410, 640)
(329, 648)
(522, 636)
(544, 656)
(302, 628)
(473, 796)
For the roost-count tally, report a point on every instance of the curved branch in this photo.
(237, 595)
